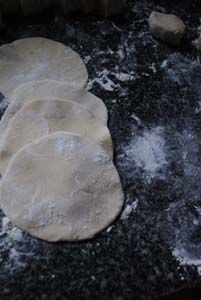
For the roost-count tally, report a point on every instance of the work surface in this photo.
(153, 95)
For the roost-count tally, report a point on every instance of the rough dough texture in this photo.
(61, 187)
(42, 117)
(167, 27)
(53, 88)
(39, 58)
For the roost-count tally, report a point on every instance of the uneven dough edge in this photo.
(5, 144)
(15, 54)
(55, 227)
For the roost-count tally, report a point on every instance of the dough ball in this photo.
(62, 187)
(39, 58)
(42, 117)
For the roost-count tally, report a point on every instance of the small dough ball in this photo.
(42, 117)
(39, 58)
(62, 187)
(166, 27)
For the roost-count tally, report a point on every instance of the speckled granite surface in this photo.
(153, 94)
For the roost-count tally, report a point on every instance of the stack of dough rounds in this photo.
(36, 59)
(43, 117)
(59, 182)
(51, 89)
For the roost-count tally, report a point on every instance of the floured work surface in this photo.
(153, 98)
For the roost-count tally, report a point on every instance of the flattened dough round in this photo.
(61, 187)
(42, 117)
(44, 89)
(39, 58)
(40, 89)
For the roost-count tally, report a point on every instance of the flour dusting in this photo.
(129, 209)
(102, 80)
(147, 152)
(182, 218)
(9, 236)
(13, 248)
(124, 77)
(184, 72)
(185, 258)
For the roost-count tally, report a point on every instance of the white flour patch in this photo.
(14, 245)
(87, 59)
(103, 80)
(121, 53)
(147, 152)
(124, 77)
(129, 209)
(9, 235)
(184, 258)
(134, 117)
(153, 68)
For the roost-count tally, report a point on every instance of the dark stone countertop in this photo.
(153, 95)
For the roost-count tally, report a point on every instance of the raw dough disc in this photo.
(51, 89)
(57, 89)
(39, 58)
(61, 187)
(42, 117)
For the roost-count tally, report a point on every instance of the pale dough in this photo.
(39, 58)
(51, 89)
(42, 117)
(62, 187)
(57, 89)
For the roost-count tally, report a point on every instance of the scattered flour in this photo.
(5, 224)
(14, 248)
(8, 236)
(87, 59)
(147, 152)
(153, 68)
(120, 53)
(103, 80)
(128, 210)
(134, 117)
(109, 80)
(183, 71)
(107, 83)
(124, 76)
(185, 259)
(15, 234)
(109, 229)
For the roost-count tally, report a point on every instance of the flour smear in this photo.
(15, 248)
(146, 152)
(185, 258)
(129, 209)
(144, 156)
